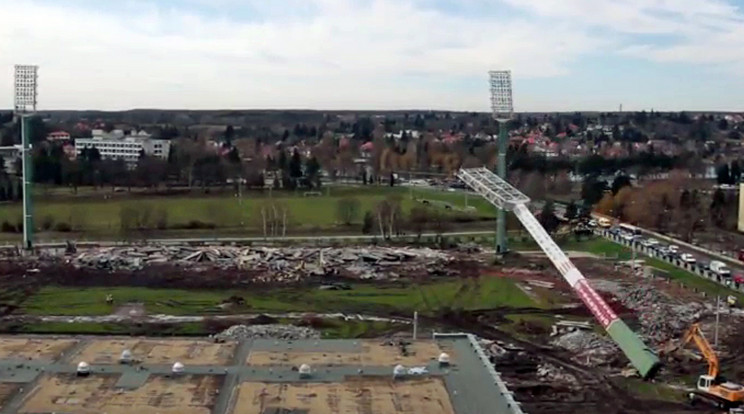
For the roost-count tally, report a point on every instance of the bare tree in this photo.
(389, 216)
(533, 185)
(418, 219)
(274, 218)
(562, 183)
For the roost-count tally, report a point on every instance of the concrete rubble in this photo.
(659, 316)
(550, 373)
(590, 348)
(295, 262)
(283, 332)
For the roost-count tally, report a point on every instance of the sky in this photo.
(565, 55)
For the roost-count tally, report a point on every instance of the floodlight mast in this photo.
(504, 196)
(26, 81)
(502, 109)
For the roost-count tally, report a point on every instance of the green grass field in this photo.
(97, 216)
(488, 292)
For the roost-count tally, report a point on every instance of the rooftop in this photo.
(260, 376)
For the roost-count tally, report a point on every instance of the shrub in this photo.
(47, 223)
(199, 225)
(6, 227)
(63, 227)
(161, 222)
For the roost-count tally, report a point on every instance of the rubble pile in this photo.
(589, 347)
(287, 263)
(550, 373)
(660, 319)
(284, 332)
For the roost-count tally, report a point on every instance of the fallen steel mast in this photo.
(503, 195)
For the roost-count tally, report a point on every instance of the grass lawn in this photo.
(358, 329)
(488, 292)
(93, 216)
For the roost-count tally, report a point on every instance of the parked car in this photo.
(688, 258)
(592, 223)
(674, 249)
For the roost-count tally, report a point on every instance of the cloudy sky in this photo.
(376, 54)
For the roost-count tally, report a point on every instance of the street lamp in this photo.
(502, 109)
(26, 81)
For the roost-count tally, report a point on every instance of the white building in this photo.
(118, 145)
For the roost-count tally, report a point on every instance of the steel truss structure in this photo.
(504, 196)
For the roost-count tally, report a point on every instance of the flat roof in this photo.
(261, 376)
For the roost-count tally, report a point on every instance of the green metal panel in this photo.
(28, 218)
(643, 358)
(501, 246)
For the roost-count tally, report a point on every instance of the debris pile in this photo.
(589, 347)
(659, 316)
(285, 264)
(550, 373)
(660, 319)
(284, 332)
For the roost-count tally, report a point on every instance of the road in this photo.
(703, 258)
(698, 268)
(702, 255)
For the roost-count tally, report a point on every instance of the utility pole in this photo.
(502, 108)
(718, 314)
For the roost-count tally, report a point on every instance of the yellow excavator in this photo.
(711, 387)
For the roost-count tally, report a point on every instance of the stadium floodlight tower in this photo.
(504, 196)
(502, 108)
(26, 78)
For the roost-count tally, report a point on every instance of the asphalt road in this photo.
(702, 258)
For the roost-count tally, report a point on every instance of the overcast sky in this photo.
(376, 54)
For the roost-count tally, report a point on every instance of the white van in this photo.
(719, 268)
(605, 223)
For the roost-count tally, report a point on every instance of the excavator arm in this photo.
(694, 334)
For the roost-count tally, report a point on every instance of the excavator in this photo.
(711, 387)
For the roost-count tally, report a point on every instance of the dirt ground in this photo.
(96, 394)
(36, 349)
(355, 396)
(373, 354)
(189, 352)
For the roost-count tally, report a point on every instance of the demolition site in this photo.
(451, 327)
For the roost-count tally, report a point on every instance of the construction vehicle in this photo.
(711, 387)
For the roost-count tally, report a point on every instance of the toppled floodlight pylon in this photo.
(503, 195)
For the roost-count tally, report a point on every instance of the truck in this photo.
(720, 268)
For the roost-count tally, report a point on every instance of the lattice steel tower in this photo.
(26, 80)
(502, 109)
